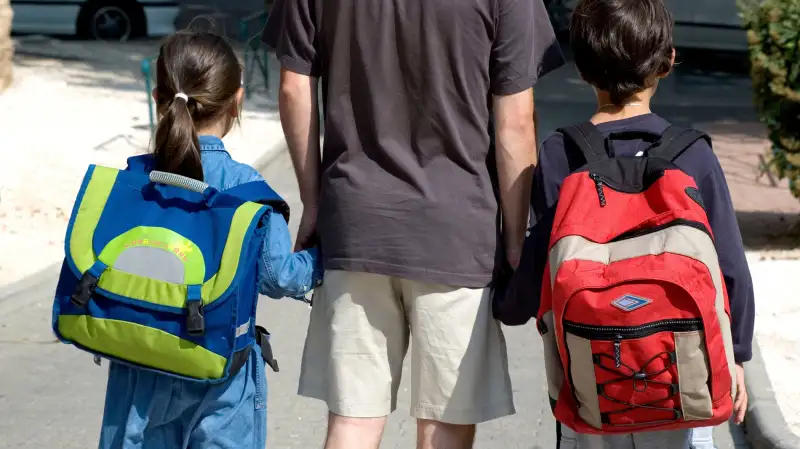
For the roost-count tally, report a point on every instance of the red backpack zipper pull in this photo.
(598, 185)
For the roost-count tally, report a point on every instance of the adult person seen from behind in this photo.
(403, 199)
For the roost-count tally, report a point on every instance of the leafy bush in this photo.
(773, 33)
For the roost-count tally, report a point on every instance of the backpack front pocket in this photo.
(631, 376)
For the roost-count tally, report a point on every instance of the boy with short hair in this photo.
(623, 48)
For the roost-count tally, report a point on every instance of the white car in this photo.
(701, 24)
(115, 20)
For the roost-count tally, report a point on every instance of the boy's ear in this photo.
(155, 95)
(671, 65)
(236, 107)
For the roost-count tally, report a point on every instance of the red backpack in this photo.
(634, 313)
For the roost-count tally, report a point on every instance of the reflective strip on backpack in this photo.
(92, 202)
(219, 283)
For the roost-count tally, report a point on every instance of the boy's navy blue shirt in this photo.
(557, 161)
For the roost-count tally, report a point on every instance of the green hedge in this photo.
(773, 32)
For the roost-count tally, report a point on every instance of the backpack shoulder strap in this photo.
(261, 192)
(674, 141)
(588, 139)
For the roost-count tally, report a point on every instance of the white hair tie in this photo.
(181, 95)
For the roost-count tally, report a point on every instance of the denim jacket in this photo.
(281, 272)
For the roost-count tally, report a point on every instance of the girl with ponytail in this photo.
(198, 96)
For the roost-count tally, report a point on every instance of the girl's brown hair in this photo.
(203, 67)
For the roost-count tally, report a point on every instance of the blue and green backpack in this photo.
(161, 272)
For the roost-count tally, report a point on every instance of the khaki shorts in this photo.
(359, 335)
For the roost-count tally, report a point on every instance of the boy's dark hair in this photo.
(204, 67)
(620, 46)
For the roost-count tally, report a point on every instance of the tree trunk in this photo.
(6, 49)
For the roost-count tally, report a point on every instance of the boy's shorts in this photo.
(669, 439)
(146, 410)
(359, 335)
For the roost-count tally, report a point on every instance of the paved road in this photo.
(51, 395)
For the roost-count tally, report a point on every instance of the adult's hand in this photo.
(307, 231)
(740, 402)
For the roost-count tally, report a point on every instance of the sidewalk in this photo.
(90, 98)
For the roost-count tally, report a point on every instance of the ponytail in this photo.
(198, 77)
(177, 148)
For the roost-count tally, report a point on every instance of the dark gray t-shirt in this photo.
(407, 172)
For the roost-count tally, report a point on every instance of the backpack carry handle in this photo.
(171, 179)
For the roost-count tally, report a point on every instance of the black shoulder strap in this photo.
(588, 139)
(675, 141)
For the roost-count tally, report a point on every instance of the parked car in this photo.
(700, 24)
(114, 20)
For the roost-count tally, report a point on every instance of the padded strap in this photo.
(588, 139)
(674, 141)
(261, 192)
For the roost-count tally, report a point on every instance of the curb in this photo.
(765, 426)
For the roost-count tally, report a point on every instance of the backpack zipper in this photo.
(653, 229)
(630, 332)
(620, 333)
(598, 186)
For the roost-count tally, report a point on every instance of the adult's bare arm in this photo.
(299, 113)
(300, 121)
(515, 139)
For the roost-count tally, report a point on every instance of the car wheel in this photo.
(111, 20)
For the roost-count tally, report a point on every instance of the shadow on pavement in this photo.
(766, 231)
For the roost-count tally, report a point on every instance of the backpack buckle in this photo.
(262, 339)
(87, 284)
(195, 322)
(84, 290)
